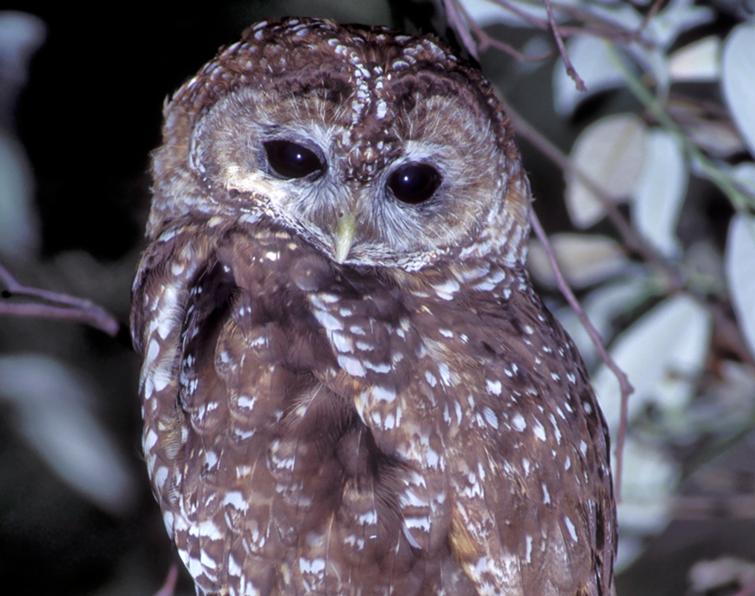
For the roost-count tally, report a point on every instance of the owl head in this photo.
(377, 148)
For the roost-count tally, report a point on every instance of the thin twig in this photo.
(570, 70)
(460, 24)
(171, 579)
(53, 305)
(484, 40)
(748, 590)
(460, 20)
(599, 26)
(528, 18)
(624, 385)
(605, 29)
(649, 16)
(730, 506)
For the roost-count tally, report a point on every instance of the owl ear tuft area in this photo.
(518, 201)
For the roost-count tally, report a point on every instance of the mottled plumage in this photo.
(346, 391)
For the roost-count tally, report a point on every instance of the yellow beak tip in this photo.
(344, 237)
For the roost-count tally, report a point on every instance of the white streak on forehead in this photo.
(361, 76)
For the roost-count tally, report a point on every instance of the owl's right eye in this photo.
(414, 182)
(291, 160)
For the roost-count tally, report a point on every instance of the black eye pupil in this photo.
(414, 182)
(291, 160)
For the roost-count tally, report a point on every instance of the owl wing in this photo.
(534, 510)
(173, 316)
(252, 438)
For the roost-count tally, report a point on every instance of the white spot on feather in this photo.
(519, 422)
(234, 568)
(168, 522)
(445, 374)
(351, 365)
(539, 430)
(161, 377)
(208, 529)
(150, 439)
(341, 342)
(246, 402)
(152, 352)
(235, 499)
(490, 417)
(167, 312)
(205, 559)
(447, 289)
(314, 566)
(380, 367)
(368, 518)
(383, 393)
(493, 387)
(556, 430)
(421, 522)
(328, 321)
(570, 527)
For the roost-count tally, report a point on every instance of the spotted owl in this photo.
(349, 385)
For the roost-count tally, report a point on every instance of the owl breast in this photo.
(311, 428)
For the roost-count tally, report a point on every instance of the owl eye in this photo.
(291, 160)
(414, 182)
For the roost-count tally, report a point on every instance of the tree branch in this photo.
(570, 70)
(171, 580)
(460, 22)
(591, 24)
(53, 305)
(455, 12)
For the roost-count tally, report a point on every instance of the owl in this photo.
(349, 385)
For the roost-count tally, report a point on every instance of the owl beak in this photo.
(344, 236)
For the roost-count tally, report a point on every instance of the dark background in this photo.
(88, 118)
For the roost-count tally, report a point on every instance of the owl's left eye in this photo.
(291, 160)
